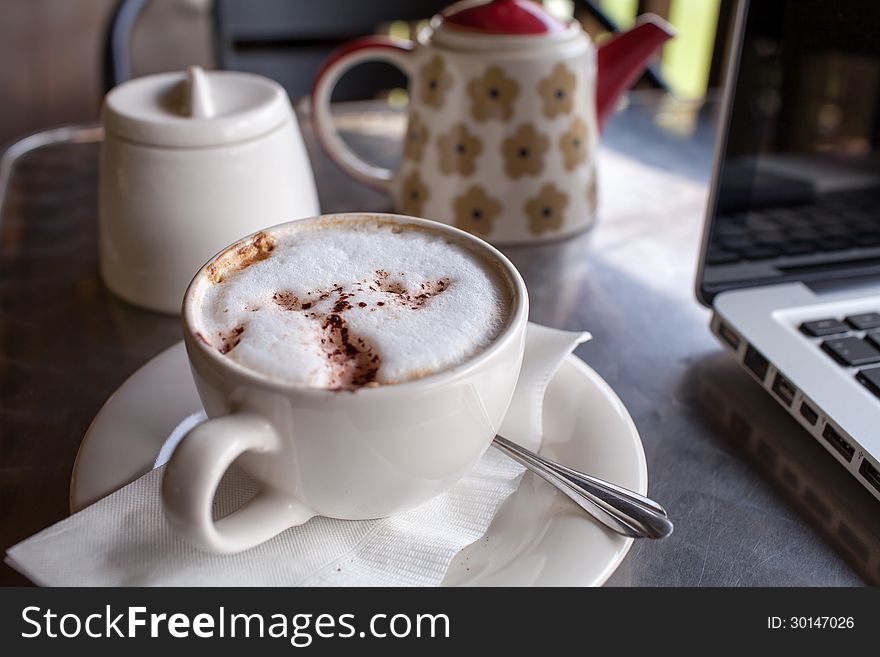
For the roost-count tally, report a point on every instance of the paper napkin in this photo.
(123, 540)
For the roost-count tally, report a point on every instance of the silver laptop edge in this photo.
(824, 398)
(720, 138)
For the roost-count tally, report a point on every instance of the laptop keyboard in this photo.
(834, 223)
(853, 341)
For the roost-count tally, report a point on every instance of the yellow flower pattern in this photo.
(492, 95)
(434, 81)
(415, 194)
(475, 211)
(458, 150)
(573, 144)
(546, 211)
(417, 135)
(527, 150)
(524, 152)
(557, 91)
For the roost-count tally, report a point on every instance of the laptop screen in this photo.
(796, 193)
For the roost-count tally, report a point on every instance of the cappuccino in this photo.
(342, 303)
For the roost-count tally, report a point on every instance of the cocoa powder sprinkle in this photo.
(353, 360)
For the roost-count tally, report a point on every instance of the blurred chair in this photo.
(117, 43)
(287, 40)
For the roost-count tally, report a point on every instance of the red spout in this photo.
(624, 57)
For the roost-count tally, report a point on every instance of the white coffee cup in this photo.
(365, 454)
(190, 162)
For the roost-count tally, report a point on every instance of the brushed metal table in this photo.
(754, 499)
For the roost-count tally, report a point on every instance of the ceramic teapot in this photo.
(506, 103)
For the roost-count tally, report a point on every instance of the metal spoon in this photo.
(621, 510)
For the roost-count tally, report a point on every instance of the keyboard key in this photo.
(760, 252)
(805, 233)
(866, 239)
(834, 243)
(734, 243)
(727, 229)
(873, 337)
(852, 351)
(721, 257)
(871, 379)
(791, 219)
(768, 237)
(822, 327)
(822, 215)
(836, 230)
(864, 321)
(859, 224)
(868, 217)
(761, 222)
(798, 247)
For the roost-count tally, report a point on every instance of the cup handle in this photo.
(393, 51)
(194, 472)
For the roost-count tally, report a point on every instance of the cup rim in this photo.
(516, 320)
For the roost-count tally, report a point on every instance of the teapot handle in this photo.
(393, 51)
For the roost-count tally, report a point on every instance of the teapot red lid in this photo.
(502, 17)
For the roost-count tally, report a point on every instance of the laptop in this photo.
(790, 257)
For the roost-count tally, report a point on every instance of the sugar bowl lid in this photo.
(502, 17)
(195, 108)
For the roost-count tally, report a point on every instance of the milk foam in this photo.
(347, 303)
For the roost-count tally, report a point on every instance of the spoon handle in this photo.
(622, 510)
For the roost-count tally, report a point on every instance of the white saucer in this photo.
(538, 538)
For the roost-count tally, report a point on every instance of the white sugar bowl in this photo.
(190, 163)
